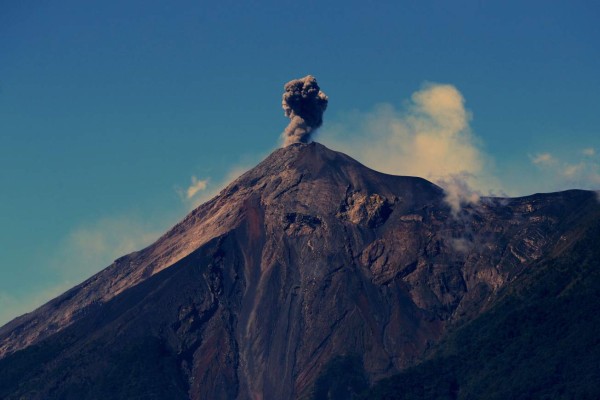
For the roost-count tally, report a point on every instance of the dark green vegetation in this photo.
(541, 339)
(343, 378)
(128, 375)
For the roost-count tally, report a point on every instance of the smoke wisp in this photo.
(304, 104)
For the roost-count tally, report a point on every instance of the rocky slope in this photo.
(307, 261)
(539, 340)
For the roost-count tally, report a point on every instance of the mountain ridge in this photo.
(306, 258)
(174, 237)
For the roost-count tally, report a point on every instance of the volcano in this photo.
(313, 276)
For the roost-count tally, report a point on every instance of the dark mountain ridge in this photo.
(306, 262)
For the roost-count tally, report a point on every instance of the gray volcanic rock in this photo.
(306, 258)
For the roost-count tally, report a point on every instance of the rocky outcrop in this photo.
(367, 210)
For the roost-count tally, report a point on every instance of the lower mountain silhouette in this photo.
(313, 276)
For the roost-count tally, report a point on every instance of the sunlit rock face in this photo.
(307, 259)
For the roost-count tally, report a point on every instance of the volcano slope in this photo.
(310, 276)
(539, 340)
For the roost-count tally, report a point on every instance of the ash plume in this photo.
(304, 104)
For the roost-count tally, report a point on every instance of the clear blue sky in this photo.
(108, 108)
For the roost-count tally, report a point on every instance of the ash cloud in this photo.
(304, 104)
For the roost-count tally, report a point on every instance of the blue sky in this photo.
(110, 109)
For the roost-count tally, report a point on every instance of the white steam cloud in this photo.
(458, 191)
(430, 137)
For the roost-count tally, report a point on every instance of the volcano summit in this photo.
(310, 276)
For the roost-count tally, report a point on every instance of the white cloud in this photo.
(89, 248)
(542, 159)
(84, 251)
(196, 186)
(590, 152)
(574, 171)
(212, 190)
(430, 137)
